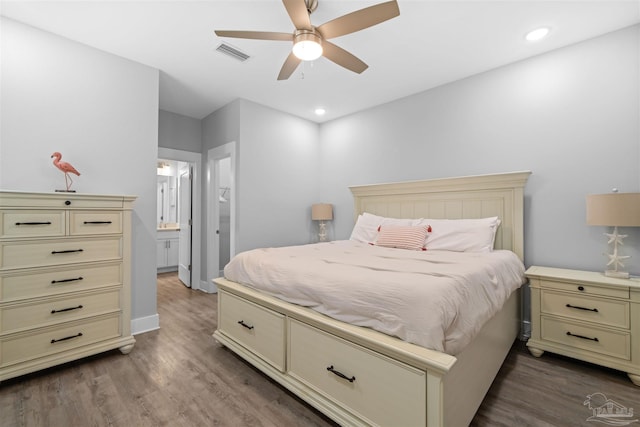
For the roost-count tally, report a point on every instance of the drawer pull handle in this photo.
(79, 334)
(66, 309)
(340, 374)
(581, 288)
(68, 251)
(34, 223)
(67, 280)
(245, 325)
(583, 337)
(595, 310)
(98, 222)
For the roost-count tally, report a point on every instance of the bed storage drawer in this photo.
(382, 391)
(258, 329)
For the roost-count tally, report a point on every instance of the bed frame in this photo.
(378, 379)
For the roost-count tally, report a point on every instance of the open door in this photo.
(184, 252)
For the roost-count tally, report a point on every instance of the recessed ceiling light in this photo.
(320, 111)
(537, 34)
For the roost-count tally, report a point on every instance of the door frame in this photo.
(196, 221)
(214, 155)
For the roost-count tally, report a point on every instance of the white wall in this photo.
(101, 112)
(179, 132)
(571, 116)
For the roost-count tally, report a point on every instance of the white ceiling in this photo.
(431, 43)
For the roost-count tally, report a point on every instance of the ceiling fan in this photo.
(310, 42)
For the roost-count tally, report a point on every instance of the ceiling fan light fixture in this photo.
(307, 45)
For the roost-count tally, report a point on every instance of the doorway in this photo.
(221, 192)
(186, 259)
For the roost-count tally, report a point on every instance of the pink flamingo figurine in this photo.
(64, 167)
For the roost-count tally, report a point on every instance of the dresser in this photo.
(65, 278)
(587, 316)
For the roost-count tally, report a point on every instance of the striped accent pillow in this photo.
(403, 237)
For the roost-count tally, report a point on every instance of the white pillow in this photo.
(462, 235)
(366, 228)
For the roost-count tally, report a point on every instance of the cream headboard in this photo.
(477, 196)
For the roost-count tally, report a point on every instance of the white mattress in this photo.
(435, 299)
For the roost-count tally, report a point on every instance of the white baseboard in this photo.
(145, 324)
(208, 287)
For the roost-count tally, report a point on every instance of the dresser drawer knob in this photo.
(66, 309)
(582, 337)
(340, 374)
(67, 202)
(75, 279)
(581, 288)
(79, 334)
(34, 223)
(595, 310)
(68, 251)
(241, 322)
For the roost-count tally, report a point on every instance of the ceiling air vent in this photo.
(232, 52)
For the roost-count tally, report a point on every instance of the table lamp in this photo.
(322, 212)
(614, 210)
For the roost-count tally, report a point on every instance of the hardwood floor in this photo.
(179, 376)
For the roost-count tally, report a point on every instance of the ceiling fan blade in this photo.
(289, 66)
(359, 20)
(342, 57)
(257, 35)
(297, 10)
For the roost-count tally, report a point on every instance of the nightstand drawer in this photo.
(42, 342)
(31, 223)
(587, 337)
(52, 311)
(257, 328)
(90, 222)
(582, 307)
(58, 252)
(18, 285)
(586, 288)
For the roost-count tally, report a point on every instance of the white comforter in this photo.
(436, 299)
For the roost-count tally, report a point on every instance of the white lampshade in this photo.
(322, 212)
(614, 209)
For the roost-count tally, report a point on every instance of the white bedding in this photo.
(435, 299)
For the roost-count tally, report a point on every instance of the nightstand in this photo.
(587, 316)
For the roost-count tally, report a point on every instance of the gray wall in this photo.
(277, 172)
(179, 132)
(571, 116)
(101, 112)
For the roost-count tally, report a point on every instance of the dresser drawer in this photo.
(587, 337)
(94, 222)
(583, 307)
(257, 328)
(61, 201)
(586, 289)
(58, 252)
(31, 223)
(56, 310)
(383, 391)
(43, 342)
(19, 285)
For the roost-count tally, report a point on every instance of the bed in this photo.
(358, 376)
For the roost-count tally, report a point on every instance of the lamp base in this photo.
(617, 274)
